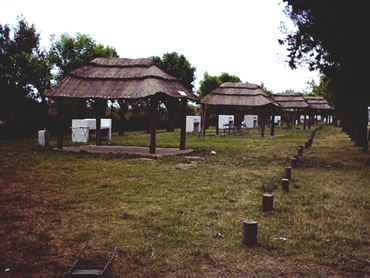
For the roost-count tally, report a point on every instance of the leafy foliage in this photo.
(178, 66)
(69, 53)
(210, 83)
(24, 69)
(331, 37)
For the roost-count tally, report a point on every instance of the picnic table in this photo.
(236, 129)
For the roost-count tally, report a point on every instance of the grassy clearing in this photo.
(165, 214)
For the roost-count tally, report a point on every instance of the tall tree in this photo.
(69, 53)
(210, 83)
(178, 66)
(24, 69)
(331, 37)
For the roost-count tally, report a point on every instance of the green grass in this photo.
(164, 213)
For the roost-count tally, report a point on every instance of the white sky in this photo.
(235, 36)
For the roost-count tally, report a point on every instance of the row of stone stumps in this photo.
(250, 227)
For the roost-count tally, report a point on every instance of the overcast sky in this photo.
(235, 36)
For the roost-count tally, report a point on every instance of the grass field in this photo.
(182, 216)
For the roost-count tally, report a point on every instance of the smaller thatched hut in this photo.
(293, 103)
(320, 106)
(242, 94)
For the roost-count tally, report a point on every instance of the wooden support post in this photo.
(288, 173)
(250, 232)
(59, 102)
(153, 123)
(98, 113)
(304, 120)
(262, 120)
(293, 162)
(203, 121)
(267, 202)
(123, 108)
(309, 120)
(217, 120)
(273, 122)
(184, 103)
(285, 185)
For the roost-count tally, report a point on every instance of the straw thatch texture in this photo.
(291, 101)
(118, 78)
(318, 103)
(239, 94)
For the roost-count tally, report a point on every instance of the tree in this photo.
(321, 90)
(24, 69)
(69, 53)
(331, 37)
(177, 66)
(262, 85)
(210, 83)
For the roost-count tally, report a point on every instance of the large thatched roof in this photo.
(239, 94)
(291, 101)
(318, 103)
(119, 78)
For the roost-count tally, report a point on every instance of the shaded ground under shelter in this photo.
(238, 94)
(121, 79)
(295, 105)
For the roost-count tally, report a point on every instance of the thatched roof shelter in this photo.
(242, 94)
(118, 78)
(239, 94)
(291, 101)
(318, 103)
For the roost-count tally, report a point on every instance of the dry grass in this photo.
(165, 214)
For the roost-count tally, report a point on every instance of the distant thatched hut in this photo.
(319, 105)
(293, 103)
(118, 78)
(242, 94)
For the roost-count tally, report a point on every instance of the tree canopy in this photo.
(210, 83)
(69, 53)
(331, 36)
(24, 69)
(178, 66)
